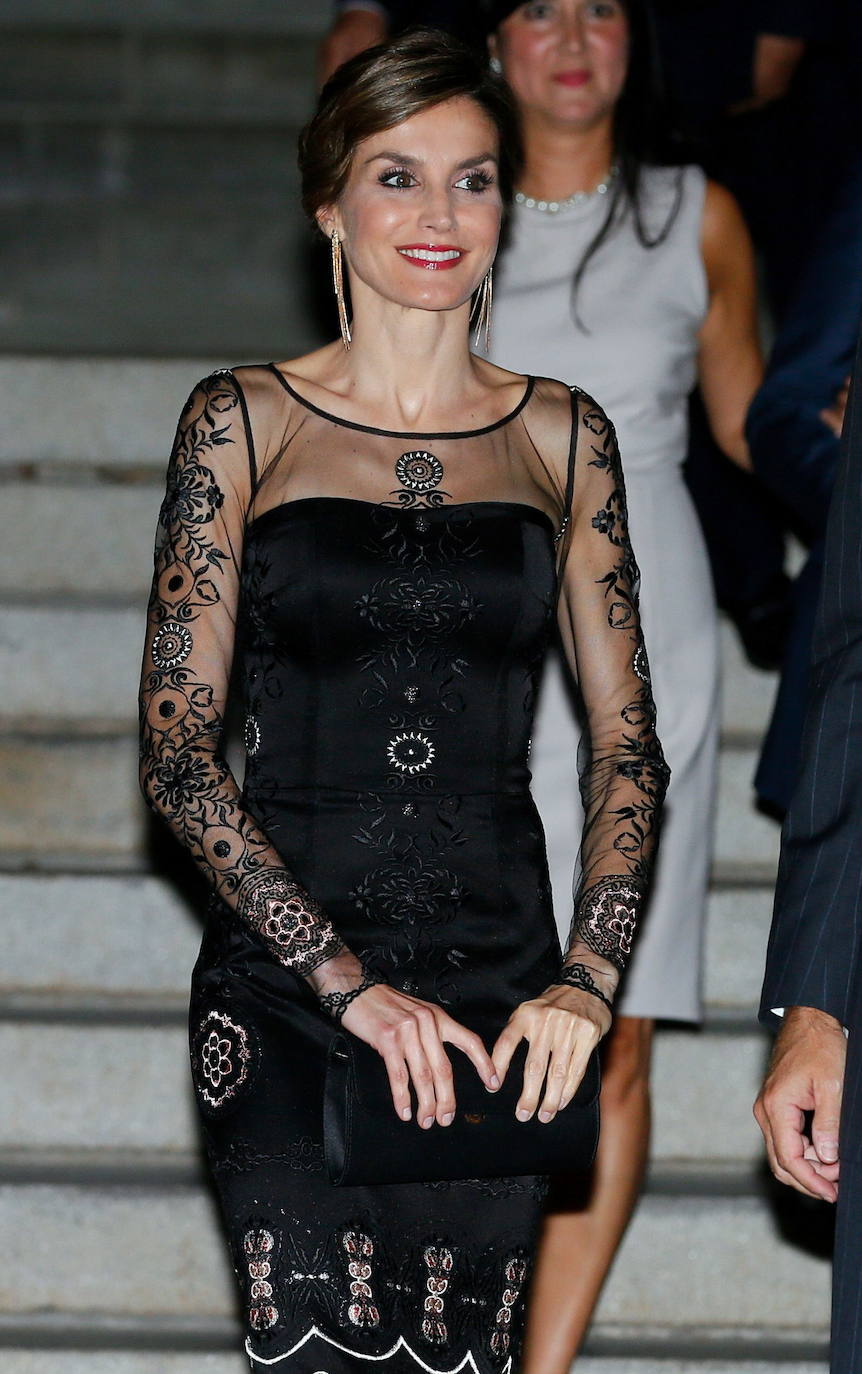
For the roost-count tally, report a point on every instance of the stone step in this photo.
(64, 796)
(122, 79)
(96, 935)
(88, 540)
(741, 1365)
(167, 16)
(157, 1251)
(230, 272)
(126, 1087)
(85, 936)
(18, 1361)
(111, 413)
(737, 930)
(69, 794)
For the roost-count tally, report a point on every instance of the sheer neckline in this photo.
(408, 433)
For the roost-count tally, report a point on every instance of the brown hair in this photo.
(382, 87)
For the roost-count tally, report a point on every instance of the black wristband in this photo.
(579, 976)
(335, 1004)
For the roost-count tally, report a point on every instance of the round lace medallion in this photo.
(419, 471)
(172, 644)
(410, 752)
(221, 1058)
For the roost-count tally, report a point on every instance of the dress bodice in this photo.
(388, 598)
(406, 656)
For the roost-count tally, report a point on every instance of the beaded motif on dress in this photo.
(436, 1293)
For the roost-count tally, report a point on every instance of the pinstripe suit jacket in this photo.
(815, 946)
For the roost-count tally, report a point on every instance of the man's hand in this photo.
(806, 1074)
(833, 415)
(352, 33)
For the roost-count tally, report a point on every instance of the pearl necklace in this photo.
(553, 207)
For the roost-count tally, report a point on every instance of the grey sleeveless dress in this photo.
(641, 310)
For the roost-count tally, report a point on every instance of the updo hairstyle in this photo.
(385, 85)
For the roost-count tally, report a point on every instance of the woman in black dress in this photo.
(380, 535)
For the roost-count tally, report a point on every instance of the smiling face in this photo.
(421, 211)
(566, 60)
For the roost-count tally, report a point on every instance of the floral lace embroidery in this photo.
(242, 1157)
(183, 772)
(292, 924)
(623, 788)
(608, 918)
(221, 1058)
(413, 890)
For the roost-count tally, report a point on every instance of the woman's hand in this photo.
(562, 1027)
(409, 1035)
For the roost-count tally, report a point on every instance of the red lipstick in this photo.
(432, 257)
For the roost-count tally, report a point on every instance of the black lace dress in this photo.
(388, 599)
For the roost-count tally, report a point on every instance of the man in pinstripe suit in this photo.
(814, 964)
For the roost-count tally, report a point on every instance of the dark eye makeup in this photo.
(401, 179)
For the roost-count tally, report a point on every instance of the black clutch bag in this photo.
(365, 1142)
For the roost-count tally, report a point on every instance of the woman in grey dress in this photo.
(635, 282)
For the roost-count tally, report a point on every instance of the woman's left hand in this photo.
(563, 1026)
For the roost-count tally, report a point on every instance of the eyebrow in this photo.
(389, 155)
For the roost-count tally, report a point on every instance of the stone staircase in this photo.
(147, 202)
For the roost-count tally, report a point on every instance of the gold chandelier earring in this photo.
(338, 285)
(481, 311)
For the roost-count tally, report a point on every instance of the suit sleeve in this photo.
(816, 932)
(794, 452)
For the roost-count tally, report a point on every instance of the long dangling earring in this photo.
(338, 284)
(481, 311)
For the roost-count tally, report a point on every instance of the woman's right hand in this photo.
(409, 1035)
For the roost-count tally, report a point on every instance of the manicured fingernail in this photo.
(545, 1116)
(522, 1114)
(448, 1118)
(495, 1083)
(405, 1114)
(429, 1121)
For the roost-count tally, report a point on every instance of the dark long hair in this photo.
(641, 134)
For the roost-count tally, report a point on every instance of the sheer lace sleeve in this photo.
(187, 662)
(623, 775)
